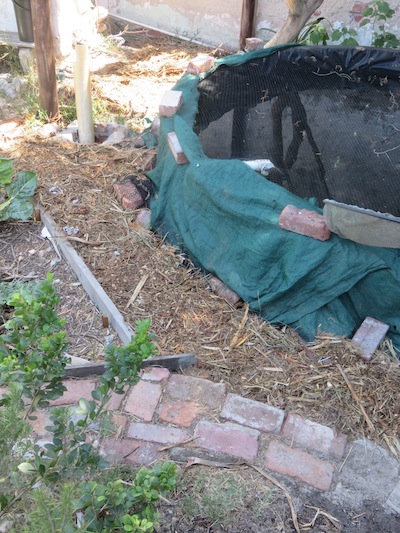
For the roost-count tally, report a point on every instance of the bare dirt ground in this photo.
(253, 358)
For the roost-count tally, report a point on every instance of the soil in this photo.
(253, 358)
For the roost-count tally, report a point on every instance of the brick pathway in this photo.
(196, 417)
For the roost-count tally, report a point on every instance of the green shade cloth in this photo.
(225, 217)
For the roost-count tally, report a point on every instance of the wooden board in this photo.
(172, 362)
(90, 284)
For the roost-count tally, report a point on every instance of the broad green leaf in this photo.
(19, 192)
(26, 468)
(6, 172)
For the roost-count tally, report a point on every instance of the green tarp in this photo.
(225, 216)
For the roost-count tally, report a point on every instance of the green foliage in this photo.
(377, 14)
(32, 346)
(117, 504)
(32, 365)
(16, 192)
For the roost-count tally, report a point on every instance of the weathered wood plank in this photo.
(90, 284)
(172, 362)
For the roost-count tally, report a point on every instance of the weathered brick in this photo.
(188, 388)
(180, 413)
(253, 43)
(42, 420)
(128, 194)
(171, 102)
(76, 389)
(304, 222)
(146, 454)
(143, 400)
(233, 439)
(253, 414)
(116, 400)
(117, 450)
(314, 436)
(156, 433)
(223, 290)
(296, 463)
(369, 336)
(155, 126)
(176, 149)
(201, 63)
(148, 160)
(155, 373)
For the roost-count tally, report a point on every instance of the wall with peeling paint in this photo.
(213, 22)
(218, 22)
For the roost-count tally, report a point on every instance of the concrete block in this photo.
(201, 63)
(304, 222)
(171, 102)
(369, 336)
(176, 149)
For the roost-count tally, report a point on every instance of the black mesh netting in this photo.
(328, 118)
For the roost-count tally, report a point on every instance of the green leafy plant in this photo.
(377, 14)
(31, 349)
(15, 193)
(118, 505)
(320, 31)
(32, 365)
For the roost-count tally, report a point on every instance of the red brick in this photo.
(148, 160)
(155, 373)
(359, 7)
(117, 450)
(180, 413)
(128, 194)
(176, 149)
(76, 389)
(369, 336)
(155, 127)
(253, 414)
(42, 420)
(146, 454)
(223, 291)
(296, 463)
(253, 43)
(188, 388)
(201, 63)
(116, 400)
(314, 436)
(143, 400)
(304, 222)
(171, 102)
(232, 439)
(156, 433)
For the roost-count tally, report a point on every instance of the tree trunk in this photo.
(45, 62)
(299, 12)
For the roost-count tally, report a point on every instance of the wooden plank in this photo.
(172, 362)
(45, 62)
(247, 27)
(92, 287)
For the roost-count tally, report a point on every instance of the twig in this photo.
(206, 462)
(319, 512)
(177, 444)
(234, 341)
(357, 400)
(136, 292)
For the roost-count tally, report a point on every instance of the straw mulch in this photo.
(325, 381)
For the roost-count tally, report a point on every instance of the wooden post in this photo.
(45, 62)
(247, 22)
